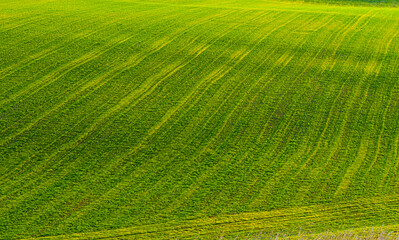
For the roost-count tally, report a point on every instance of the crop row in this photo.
(120, 114)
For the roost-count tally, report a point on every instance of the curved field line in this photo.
(27, 39)
(304, 165)
(122, 183)
(314, 58)
(305, 69)
(236, 88)
(192, 94)
(91, 84)
(215, 168)
(51, 78)
(56, 73)
(326, 126)
(206, 130)
(377, 73)
(115, 71)
(71, 65)
(158, 48)
(35, 20)
(31, 58)
(143, 92)
(371, 67)
(152, 131)
(322, 217)
(278, 6)
(282, 61)
(227, 98)
(125, 64)
(218, 75)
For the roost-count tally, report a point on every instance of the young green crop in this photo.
(161, 115)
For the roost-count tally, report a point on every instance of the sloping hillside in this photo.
(133, 114)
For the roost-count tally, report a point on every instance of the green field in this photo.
(150, 119)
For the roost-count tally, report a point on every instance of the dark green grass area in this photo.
(372, 3)
(118, 114)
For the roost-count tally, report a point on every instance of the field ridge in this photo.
(324, 215)
(154, 117)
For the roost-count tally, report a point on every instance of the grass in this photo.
(176, 118)
(380, 233)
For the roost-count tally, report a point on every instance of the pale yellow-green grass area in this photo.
(379, 233)
(185, 119)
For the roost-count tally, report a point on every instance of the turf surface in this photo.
(117, 114)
